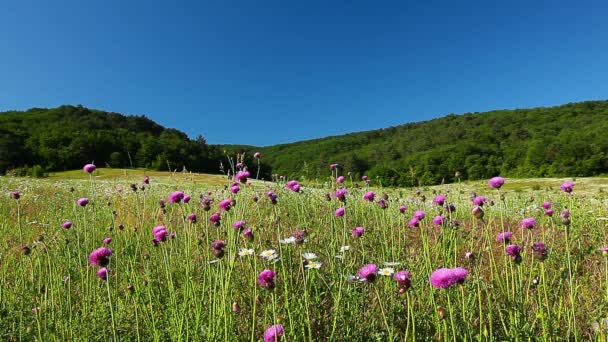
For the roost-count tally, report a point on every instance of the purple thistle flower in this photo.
(540, 250)
(549, 212)
(66, 225)
(369, 196)
(274, 333)
(368, 272)
(504, 237)
(513, 251)
(479, 201)
(15, 195)
(414, 222)
(439, 220)
(218, 248)
(477, 212)
(364, 178)
(102, 273)
(546, 205)
(160, 234)
(496, 182)
(158, 229)
(192, 218)
(100, 256)
(266, 279)
(235, 188)
(403, 279)
(238, 225)
(382, 203)
(340, 179)
(107, 241)
(300, 236)
(528, 223)
(176, 197)
(242, 176)
(444, 278)
(89, 168)
(225, 204)
(248, 234)
(340, 211)
(402, 209)
(146, 180)
(419, 214)
(358, 232)
(333, 166)
(567, 186)
(215, 218)
(83, 201)
(340, 194)
(257, 155)
(439, 199)
(186, 198)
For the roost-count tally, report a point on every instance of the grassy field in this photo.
(184, 285)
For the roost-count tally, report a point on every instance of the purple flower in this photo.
(238, 225)
(296, 188)
(192, 218)
(333, 166)
(176, 197)
(444, 278)
(89, 168)
(414, 222)
(450, 208)
(218, 248)
(358, 232)
(300, 236)
(567, 186)
(146, 180)
(291, 183)
(340, 179)
(340, 194)
(439, 220)
(369, 196)
(100, 256)
(186, 198)
(15, 195)
(504, 237)
(540, 250)
(439, 199)
(368, 272)
(496, 182)
(382, 203)
(248, 234)
(225, 204)
(403, 279)
(235, 188)
(266, 279)
(549, 212)
(477, 212)
(340, 211)
(242, 176)
(257, 155)
(102, 273)
(274, 333)
(365, 178)
(215, 218)
(528, 223)
(546, 205)
(158, 229)
(402, 209)
(419, 214)
(160, 233)
(66, 225)
(83, 201)
(479, 200)
(107, 241)
(513, 251)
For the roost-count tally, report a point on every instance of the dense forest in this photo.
(568, 140)
(67, 137)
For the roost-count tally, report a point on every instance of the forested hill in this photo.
(67, 137)
(568, 140)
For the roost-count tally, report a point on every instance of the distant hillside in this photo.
(68, 137)
(568, 140)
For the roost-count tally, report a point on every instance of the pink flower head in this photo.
(160, 233)
(340, 194)
(414, 222)
(403, 279)
(567, 186)
(402, 209)
(340, 211)
(186, 198)
(296, 188)
(235, 188)
(242, 176)
(218, 244)
(477, 212)
(15, 195)
(215, 218)
(192, 218)
(176, 197)
(358, 232)
(479, 201)
(504, 237)
(528, 223)
(340, 179)
(444, 278)
(365, 178)
(469, 255)
(546, 205)
(540, 250)
(439, 199)
(496, 182)
(266, 279)
(226, 204)
(158, 229)
(333, 166)
(291, 183)
(89, 168)
(107, 241)
(549, 212)
(419, 214)
(368, 272)
(146, 180)
(102, 273)
(257, 155)
(238, 225)
(100, 256)
(439, 220)
(513, 251)
(248, 234)
(274, 333)
(83, 201)
(369, 196)
(66, 225)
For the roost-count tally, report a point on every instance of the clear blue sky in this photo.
(266, 72)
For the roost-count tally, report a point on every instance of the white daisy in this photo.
(386, 271)
(245, 252)
(314, 264)
(309, 256)
(344, 249)
(268, 253)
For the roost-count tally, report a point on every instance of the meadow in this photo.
(207, 258)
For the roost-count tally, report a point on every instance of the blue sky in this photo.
(266, 72)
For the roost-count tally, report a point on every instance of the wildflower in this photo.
(176, 197)
(439, 199)
(340, 194)
(496, 182)
(504, 237)
(107, 241)
(546, 205)
(477, 212)
(450, 208)
(192, 218)
(274, 333)
(403, 279)
(218, 248)
(567, 187)
(340, 211)
(364, 178)
(382, 203)
(549, 212)
(242, 176)
(528, 223)
(160, 233)
(266, 279)
(444, 278)
(479, 201)
(513, 251)
(15, 195)
(100, 256)
(83, 201)
(469, 255)
(102, 273)
(267, 253)
(186, 198)
(414, 222)
(419, 214)
(540, 250)
(66, 225)
(439, 220)
(238, 225)
(402, 209)
(358, 232)
(388, 271)
(309, 256)
(215, 218)
(146, 180)
(248, 234)
(313, 265)
(333, 166)
(565, 215)
(257, 155)
(225, 204)
(245, 252)
(340, 179)
(368, 272)
(89, 168)
(300, 236)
